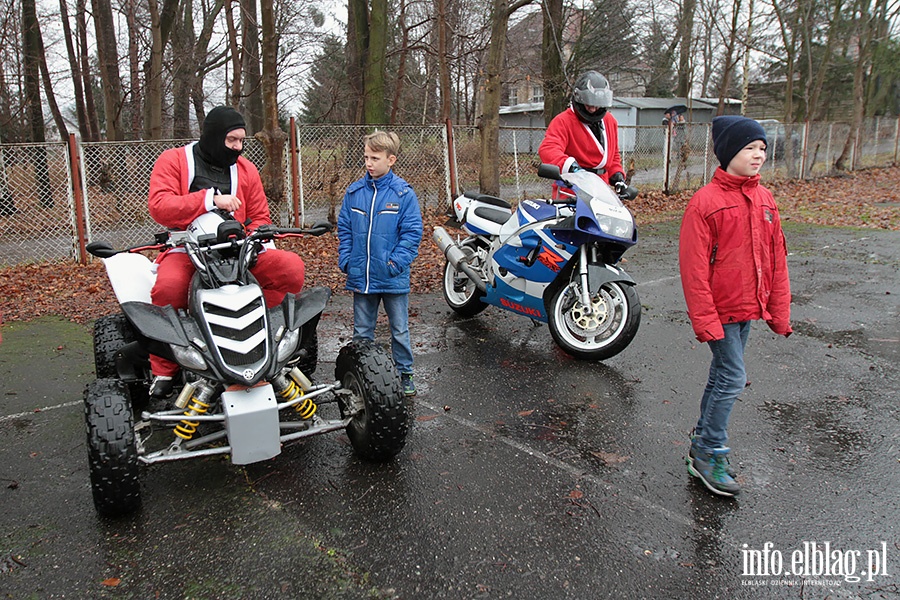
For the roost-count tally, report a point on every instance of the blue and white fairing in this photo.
(599, 213)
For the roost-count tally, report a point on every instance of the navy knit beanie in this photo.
(731, 133)
(218, 123)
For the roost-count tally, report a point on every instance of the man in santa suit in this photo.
(189, 181)
(586, 135)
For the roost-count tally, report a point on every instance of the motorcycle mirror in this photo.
(547, 171)
(101, 249)
(630, 193)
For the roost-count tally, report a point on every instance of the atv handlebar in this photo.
(171, 239)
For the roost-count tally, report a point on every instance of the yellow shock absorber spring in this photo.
(307, 408)
(186, 428)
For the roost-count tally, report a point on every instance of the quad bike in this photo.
(245, 384)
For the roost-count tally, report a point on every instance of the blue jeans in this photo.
(727, 378)
(396, 306)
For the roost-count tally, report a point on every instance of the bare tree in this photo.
(489, 177)
(90, 104)
(271, 136)
(108, 56)
(553, 74)
(75, 70)
(251, 95)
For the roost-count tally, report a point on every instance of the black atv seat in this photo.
(492, 200)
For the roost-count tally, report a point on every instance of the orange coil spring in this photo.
(305, 409)
(186, 429)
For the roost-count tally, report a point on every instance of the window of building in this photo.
(537, 93)
(513, 96)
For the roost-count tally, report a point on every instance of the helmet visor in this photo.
(591, 96)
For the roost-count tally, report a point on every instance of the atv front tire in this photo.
(112, 454)
(380, 423)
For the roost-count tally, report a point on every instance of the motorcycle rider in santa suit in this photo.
(586, 134)
(203, 176)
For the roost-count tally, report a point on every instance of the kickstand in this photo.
(536, 323)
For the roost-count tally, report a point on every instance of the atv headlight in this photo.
(619, 228)
(287, 345)
(189, 357)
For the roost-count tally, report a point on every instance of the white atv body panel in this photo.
(132, 276)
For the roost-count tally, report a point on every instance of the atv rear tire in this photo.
(112, 454)
(111, 333)
(378, 429)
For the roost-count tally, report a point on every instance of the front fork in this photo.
(583, 278)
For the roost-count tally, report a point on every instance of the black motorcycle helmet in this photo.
(591, 89)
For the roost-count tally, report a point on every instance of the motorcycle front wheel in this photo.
(602, 332)
(374, 397)
(460, 292)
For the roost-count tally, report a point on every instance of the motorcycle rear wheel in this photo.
(112, 453)
(601, 334)
(460, 292)
(378, 429)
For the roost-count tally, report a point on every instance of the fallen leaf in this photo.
(112, 582)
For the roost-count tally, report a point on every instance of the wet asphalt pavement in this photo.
(526, 475)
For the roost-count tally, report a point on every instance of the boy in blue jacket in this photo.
(379, 231)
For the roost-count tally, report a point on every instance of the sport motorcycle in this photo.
(555, 261)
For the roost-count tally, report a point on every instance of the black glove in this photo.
(616, 178)
(574, 167)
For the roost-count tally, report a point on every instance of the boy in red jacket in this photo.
(733, 263)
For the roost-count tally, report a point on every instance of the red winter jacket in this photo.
(569, 140)
(172, 206)
(733, 258)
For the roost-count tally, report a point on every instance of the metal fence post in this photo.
(896, 140)
(77, 197)
(450, 163)
(295, 174)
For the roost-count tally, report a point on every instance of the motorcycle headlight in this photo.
(288, 345)
(189, 358)
(619, 228)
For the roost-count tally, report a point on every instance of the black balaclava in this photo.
(219, 121)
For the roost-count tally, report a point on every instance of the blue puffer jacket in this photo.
(379, 230)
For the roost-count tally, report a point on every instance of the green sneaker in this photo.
(693, 452)
(712, 469)
(406, 380)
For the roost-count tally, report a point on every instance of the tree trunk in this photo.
(134, 68)
(252, 101)
(443, 63)
(729, 56)
(373, 77)
(401, 70)
(31, 42)
(74, 68)
(235, 56)
(271, 136)
(90, 105)
(153, 76)
(556, 88)
(183, 72)
(357, 48)
(686, 38)
(489, 177)
(108, 58)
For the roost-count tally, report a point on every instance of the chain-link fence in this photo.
(39, 202)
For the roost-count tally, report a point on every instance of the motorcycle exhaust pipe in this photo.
(456, 257)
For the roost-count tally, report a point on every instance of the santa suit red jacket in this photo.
(172, 205)
(568, 140)
(733, 257)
